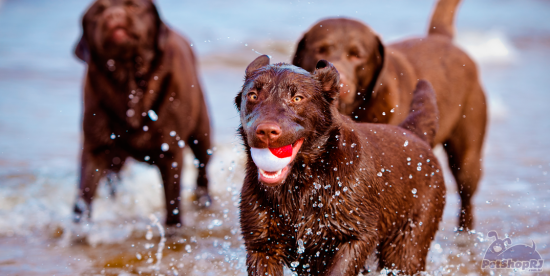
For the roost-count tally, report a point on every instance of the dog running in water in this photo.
(321, 192)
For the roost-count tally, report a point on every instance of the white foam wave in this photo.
(487, 47)
(45, 203)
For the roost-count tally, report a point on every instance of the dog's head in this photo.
(284, 111)
(354, 49)
(120, 29)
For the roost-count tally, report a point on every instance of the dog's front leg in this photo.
(351, 257)
(171, 169)
(262, 263)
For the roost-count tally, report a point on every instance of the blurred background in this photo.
(40, 134)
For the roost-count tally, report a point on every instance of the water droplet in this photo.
(172, 133)
(418, 168)
(320, 205)
(147, 158)
(337, 193)
(294, 264)
(164, 147)
(410, 176)
(209, 151)
(335, 169)
(379, 174)
(408, 159)
(181, 143)
(414, 191)
(345, 189)
(406, 143)
(176, 211)
(138, 256)
(149, 234)
(113, 136)
(188, 248)
(353, 145)
(174, 164)
(153, 115)
(145, 128)
(130, 112)
(392, 110)
(215, 223)
(301, 248)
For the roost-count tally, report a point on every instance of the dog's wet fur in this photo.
(138, 70)
(378, 79)
(352, 190)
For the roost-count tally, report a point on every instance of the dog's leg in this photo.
(93, 168)
(407, 249)
(351, 257)
(200, 144)
(464, 150)
(171, 169)
(260, 263)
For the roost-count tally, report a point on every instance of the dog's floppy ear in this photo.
(300, 53)
(238, 100)
(374, 67)
(329, 78)
(82, 50)
(258, 63)
(162, 32)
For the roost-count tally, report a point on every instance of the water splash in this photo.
(156, 222)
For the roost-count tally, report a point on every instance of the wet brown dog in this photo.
(142, 99)
(377, 81)
(349, 189)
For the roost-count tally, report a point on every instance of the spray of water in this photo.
(155, 222)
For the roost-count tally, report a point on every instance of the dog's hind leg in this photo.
(200, 144)
(464, 150)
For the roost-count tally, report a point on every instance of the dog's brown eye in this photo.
(323, 49)
(131, 5)
(253, 97)
(297, 99)
(354, 52)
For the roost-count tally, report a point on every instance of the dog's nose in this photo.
(268, 132)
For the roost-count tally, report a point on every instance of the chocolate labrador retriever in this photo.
(142, 99)
(321, 192)
(377, 80)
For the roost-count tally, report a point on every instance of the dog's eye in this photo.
(297, 99)
(354, 52)
(323, 49)
(252, 97)
(131, 5)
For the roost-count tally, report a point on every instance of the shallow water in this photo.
(40, 108)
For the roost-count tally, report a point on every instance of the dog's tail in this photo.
(423, 119)
(442, 22)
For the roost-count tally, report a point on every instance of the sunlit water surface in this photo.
(40, 109)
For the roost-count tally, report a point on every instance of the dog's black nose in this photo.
(268, 132)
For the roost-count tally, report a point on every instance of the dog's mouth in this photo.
(274, 163)
(120, 35)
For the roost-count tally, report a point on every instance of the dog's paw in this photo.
(202, 197)
(172, 231)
